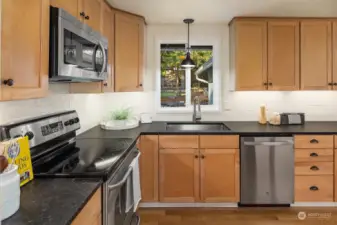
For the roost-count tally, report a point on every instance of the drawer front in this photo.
(314, 141)
(219, 141)
(313, 188)
(313, 155)
(178, 141)
(314, 168)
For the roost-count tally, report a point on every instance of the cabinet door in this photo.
(335, 174)
(251, 55)
(24, 48)
(316, 55)
(220, 175)
(92, 10)
(283, 55)
(148, 165)
(107, 29)
(71, 6)
(334, 57)
(129, 44)
(179, 175)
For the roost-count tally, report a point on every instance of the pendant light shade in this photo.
(188, 62)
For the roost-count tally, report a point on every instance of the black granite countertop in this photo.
(241, 128)
(52, 201)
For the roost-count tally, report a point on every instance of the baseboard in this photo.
(314, 204)
(187, 205)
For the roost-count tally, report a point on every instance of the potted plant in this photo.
(120, 116)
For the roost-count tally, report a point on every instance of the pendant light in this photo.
(188, 62)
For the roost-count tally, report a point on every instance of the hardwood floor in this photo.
(239, 216)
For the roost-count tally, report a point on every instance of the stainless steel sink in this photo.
(196, 127)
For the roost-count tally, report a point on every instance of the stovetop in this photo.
(88, 157)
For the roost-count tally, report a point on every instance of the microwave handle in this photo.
(105, 59)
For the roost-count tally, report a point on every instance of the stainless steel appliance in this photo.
(292, 118)
(77, 53)
(57, 152)
(267, 170)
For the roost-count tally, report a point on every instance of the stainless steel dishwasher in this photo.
(267, 170)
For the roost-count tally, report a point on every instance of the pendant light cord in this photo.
(188, 37)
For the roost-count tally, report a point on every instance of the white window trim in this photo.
(216, 107)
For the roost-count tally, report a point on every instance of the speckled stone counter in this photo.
(53, 201)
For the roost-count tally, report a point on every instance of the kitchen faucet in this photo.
(196, 114)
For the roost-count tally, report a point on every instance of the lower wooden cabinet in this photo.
(92, 211)
(148, 166)
(193, 175)
(220, 174)
(314, 188)
(179, 175)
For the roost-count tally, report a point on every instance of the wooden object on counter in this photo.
(263, 115)
(148, 167)
(92, 211)
(24, 49)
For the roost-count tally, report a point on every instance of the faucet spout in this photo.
(196, 113)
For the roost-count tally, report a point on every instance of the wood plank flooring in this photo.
(239, 216)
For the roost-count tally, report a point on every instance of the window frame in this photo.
(217, 81)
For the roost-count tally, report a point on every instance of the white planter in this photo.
(119, 123)
(9, 192)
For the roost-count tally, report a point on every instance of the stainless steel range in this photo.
(57, 152)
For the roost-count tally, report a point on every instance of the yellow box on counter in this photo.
(17, 152)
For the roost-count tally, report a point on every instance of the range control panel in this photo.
(45, 128)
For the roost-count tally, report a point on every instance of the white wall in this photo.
(92, 108)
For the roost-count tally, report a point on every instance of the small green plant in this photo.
(121, 114)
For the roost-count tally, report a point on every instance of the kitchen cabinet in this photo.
(314, 168)
(129, 52)
(316, 56)
(334, 56)
(193, 171)
(249, 54)
(24, 49)
(283, 55)
(335, 169)
(88, 11)
(179, 175)
(92, 211)
(220, 173)
(148, 166)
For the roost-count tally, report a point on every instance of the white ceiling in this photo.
(218, 11)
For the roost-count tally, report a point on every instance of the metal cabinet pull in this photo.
(313, 188)
(314, 141)
(120, 183)
(314, 154)
(8, 82)
(315, 168)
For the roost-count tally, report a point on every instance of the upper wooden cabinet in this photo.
(283, 55)
(88, 11)
(249, 54)
(334, 57)
(316, 57)
(24, 49)
(129, 52)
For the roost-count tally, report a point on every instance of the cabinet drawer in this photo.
(219, 141)
(314, 168)
(178, 141)
(313, 141)
(313, 155)
(313, 188)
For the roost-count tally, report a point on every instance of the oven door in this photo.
(82, 53)
(120, 199)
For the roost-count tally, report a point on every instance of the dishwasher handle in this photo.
(268, 143)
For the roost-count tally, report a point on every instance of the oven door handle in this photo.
(120, 183)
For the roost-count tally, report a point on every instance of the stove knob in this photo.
(67, 123)
(71, 122)
(76, 120)
(30, 135)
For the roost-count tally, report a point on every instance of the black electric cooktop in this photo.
(89, 157)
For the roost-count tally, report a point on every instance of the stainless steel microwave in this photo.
(77, 53)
